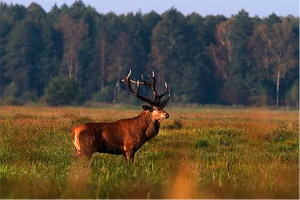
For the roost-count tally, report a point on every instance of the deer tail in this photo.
(75, 139)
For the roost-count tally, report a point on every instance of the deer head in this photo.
(155, 106)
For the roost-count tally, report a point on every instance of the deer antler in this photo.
(157, 98)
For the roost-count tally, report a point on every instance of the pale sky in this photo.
(262, 8)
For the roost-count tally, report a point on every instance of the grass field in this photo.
(198, 153)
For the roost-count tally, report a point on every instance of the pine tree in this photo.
(236, 89)
(22, 57)
(169, 37)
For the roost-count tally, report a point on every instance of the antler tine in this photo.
(157, 96)
(136, 94)
(127, 76)
(151, 85)
(163, 103)
(127, 83)
(165, 92)
(135, 82)
(138, 87)
(157, 100)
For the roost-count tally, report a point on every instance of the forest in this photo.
(73, 54)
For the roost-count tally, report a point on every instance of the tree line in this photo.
(73, 54)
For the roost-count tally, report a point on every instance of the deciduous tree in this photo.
(73, 33)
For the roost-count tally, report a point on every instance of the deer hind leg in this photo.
(84, 144)
(87, 142)
(87, 153)
(78, 152)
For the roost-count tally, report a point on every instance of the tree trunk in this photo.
(218, 64)
(278, 82)
(117, 87)
(70, 68)
(102, 64)
(277, 88)
(76, 70)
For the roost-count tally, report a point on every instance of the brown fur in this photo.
(124, 137)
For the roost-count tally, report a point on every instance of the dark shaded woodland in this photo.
(74, 54)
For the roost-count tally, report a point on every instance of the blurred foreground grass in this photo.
(198, 153)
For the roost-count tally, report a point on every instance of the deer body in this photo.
(125, 136)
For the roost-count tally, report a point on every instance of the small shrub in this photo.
(30, 96)
(286, 147)
(106, 95)
(280, 134)
(176, 124)
(202, 142)
(12, 101)
(62, 91)
(292, 96)
(11, 90)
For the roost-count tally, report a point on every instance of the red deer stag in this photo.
(125, 136)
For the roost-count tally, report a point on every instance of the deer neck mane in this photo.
(148, 124)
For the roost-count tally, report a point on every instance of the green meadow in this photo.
(198, 153)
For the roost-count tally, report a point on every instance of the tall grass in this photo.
(198, 153)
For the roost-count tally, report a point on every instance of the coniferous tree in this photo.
(150, 20)
(236, 88)
(136, 34)
(196, 74)
(51, 55)
(22, 57)
(169, 37)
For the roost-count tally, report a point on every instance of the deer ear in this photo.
(147, 107)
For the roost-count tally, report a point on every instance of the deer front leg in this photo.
(128, 154)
